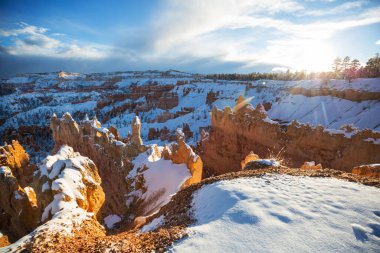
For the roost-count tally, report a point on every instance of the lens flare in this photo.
(242, 102)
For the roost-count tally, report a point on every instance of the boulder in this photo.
(250, 157)
(261, 164)
(311, 166)
(369, 170)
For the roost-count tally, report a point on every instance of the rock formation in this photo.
(111, 156)
(15, 157)
(18, 211)
(235, 134)
(253, 162)
(369, 170)
(115, 158)
(311, 166)
(68, 180)
(349, 94)
(180, 152)
(136, 128)
(250, 157)
(63, 183)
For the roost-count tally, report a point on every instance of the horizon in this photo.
(202, 37)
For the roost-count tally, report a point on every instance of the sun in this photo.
(314, 56)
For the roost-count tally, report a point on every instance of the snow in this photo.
(373, 140)
(29, 191)
(45, 187)
(267, 162)
(153, 224)
(66, 171)
(137, 121)
(280, 213)
(111, 220)
(63, 222)
(5, 170)
(17, 195)
(159, 188)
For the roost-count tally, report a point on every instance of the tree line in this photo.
(342, 68)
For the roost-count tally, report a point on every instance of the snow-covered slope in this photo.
(280, 213)
(155, 179)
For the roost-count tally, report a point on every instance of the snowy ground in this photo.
(162, 179)
(281, 213)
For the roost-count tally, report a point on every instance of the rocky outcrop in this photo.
(64, 183)
(18, 208)
(311, 166)
(250, 157)
(35, 139)
(181, 152)
(111, 156)
(254, 162)
(165, 134)
(136, 129)
(349, 94)
(14, 157)
(19, 213)
(68, 180)
(157, 96)
(235, 134)
(369, 170)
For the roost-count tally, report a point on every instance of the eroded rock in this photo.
(369, 170)
(235, 133)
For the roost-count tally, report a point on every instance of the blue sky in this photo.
(203, 36)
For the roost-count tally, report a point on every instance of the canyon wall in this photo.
(234, 134)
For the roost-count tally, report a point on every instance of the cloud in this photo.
(35, 41)
(199, 36)
(193, 29)
(335, 10)
(377, 42)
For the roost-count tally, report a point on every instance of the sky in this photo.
(198, 36)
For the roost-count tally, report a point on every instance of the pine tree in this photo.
(337, 67)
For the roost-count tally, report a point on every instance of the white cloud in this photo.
(378, 42)
(34, 41)
(335, 10)
(196, 29)
(248, 32)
